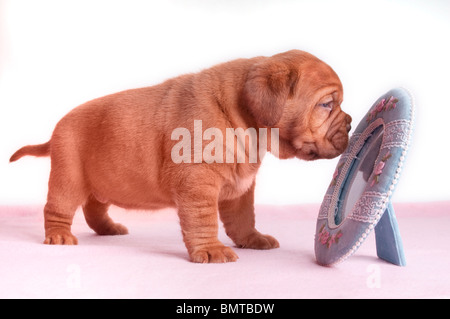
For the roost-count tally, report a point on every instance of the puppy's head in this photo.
(301, 95)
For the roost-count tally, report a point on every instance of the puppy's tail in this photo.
(34, 150)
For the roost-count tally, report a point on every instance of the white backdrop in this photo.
(55, 55)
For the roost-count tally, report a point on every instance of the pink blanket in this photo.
(152, 262)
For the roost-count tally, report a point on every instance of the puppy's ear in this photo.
(269, 84)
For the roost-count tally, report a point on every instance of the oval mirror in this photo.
(364, 180)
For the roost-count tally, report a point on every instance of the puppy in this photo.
(121, 149)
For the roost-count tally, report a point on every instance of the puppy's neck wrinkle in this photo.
(231, 79)
(223, 110)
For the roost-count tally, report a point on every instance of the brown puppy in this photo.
(127, 148)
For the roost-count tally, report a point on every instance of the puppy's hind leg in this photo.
(66, 190)
(64, 197)
(96, 214)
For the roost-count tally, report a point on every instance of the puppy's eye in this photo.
(328, 105)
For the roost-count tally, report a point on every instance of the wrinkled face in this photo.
(302, 96)
(320, 130)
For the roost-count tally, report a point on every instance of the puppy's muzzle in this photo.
(338, 132)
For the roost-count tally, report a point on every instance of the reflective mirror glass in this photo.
(358, 175)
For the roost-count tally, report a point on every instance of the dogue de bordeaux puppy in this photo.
(119, 149)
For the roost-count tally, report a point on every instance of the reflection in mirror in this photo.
(358, 175)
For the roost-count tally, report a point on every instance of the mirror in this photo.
(358, 199)
(358, 175)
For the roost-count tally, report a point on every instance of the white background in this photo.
(55, 55)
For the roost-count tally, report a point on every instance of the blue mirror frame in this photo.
(358, 198)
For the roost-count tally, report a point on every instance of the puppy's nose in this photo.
(349, 120)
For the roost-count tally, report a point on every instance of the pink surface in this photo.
(152, 262)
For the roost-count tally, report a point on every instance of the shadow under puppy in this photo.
(119, 149)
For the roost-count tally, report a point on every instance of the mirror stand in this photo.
(388, 240)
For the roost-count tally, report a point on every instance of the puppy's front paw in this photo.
(59, 236)
(214, 254)
(257, 240)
